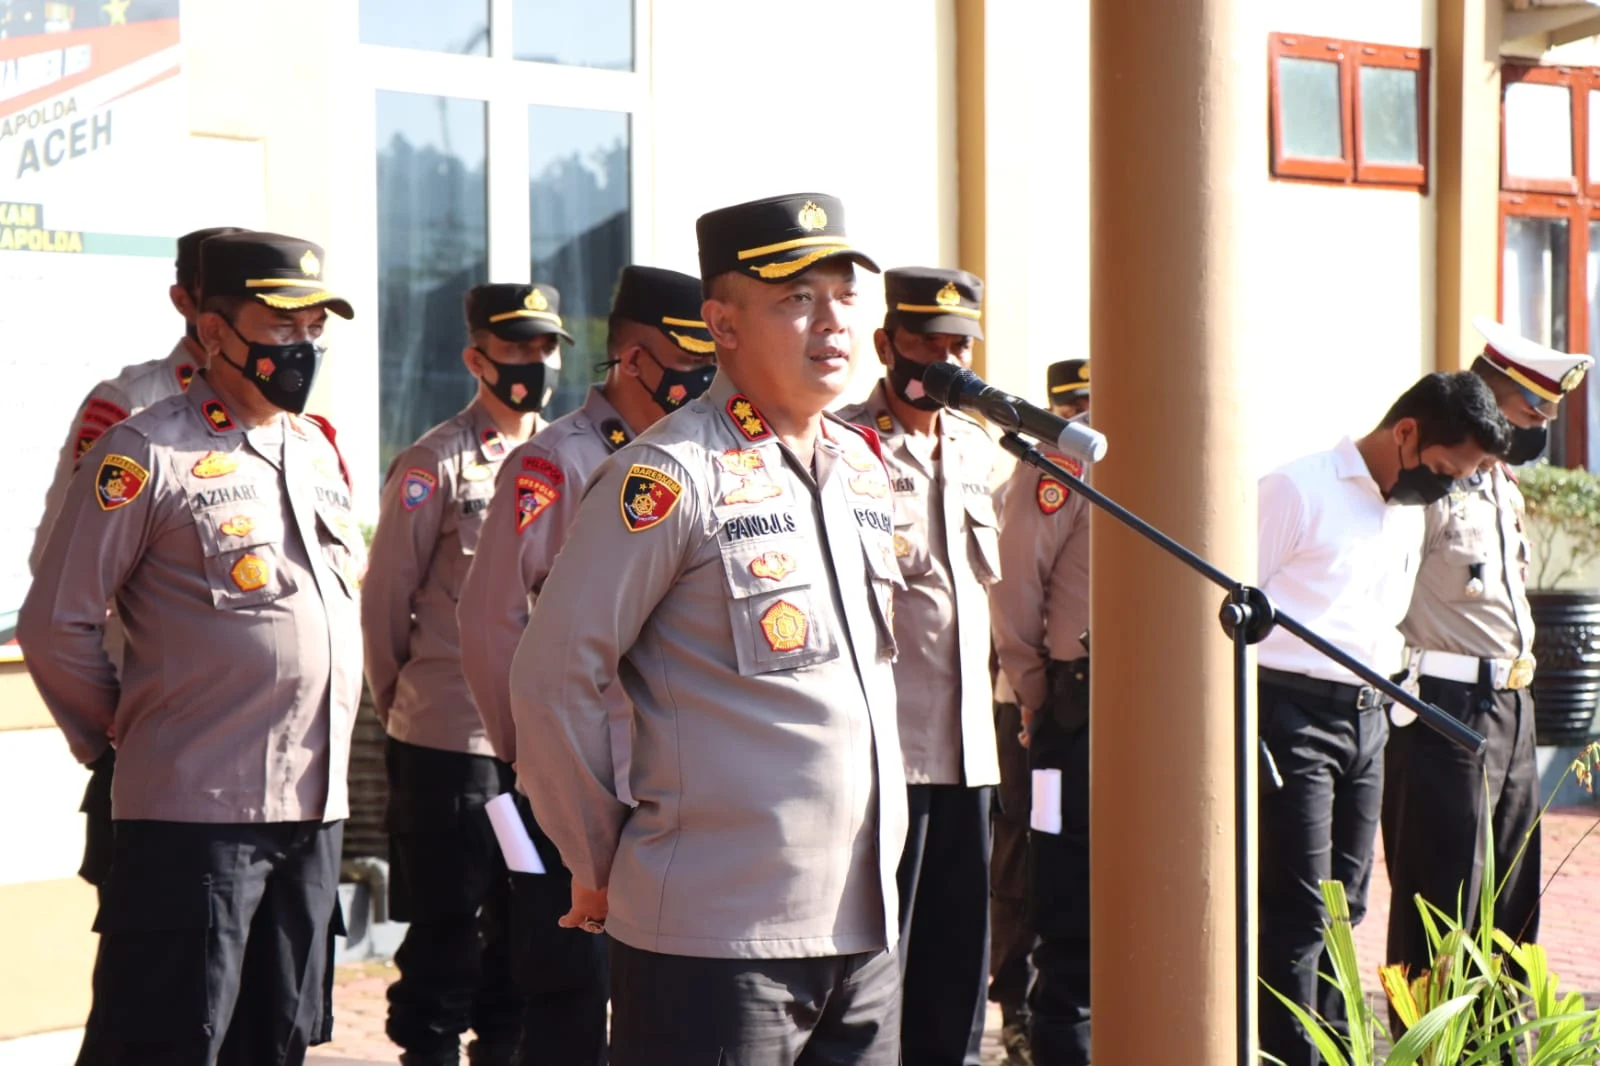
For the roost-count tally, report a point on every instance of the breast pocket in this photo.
(773, 601)
(983, 539)
(1468, 554)
(884, 574)
(244, 557)
(911, 539)
(342, 547)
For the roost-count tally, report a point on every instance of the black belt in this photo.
(1357, 697)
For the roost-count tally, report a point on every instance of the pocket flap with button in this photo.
(760, 566)
(243, 556)
(982, 528)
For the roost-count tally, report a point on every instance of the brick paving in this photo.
(1568, 931)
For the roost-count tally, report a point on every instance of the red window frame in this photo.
(1352, 168)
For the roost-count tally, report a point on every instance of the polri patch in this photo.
(648, 496)
(119, 482)
(217, 415)
(533, 496)
(785, 626)
(1052, 495)
(214, 464)
(251, 572)
(416, 488)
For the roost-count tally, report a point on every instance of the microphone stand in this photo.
(1247, 616)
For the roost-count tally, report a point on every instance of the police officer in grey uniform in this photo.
(449, 879)
(660, 358)
(218, 522)
(734, 568)
(941, 466)
(109, 402)
(1469, 634)
(1010, 965)
(1039, 610)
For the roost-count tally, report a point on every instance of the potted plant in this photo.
(1563, 530)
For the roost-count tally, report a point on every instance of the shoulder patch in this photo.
(534, 494)
(105, 409)
(538, 464)
(614, 433)
(747, 419)
(214, 464)
(185, 374)
(119, 482)
(1052, 495)
(416, 488)
(648, 496)
(85, 440)
(217, 415)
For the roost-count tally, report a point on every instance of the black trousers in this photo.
(1319, 826)
(676, 1010)
(1437, 802)
(1059, 875)
(448, 880)
(944, 924)
(214, 943)
(562, 974)
(1011, 938)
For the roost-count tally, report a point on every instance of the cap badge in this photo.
(1573, 378)
(1083, 372)
(535, 301)
(812, 217)
(310, 265)
(948, 296)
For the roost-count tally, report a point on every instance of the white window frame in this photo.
(509, 87)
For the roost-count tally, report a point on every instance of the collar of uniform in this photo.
(209, 406)
(601, 417)
(182, 364)
(492, 446)
(1348, 464)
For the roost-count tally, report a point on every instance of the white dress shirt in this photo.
(1337, 558)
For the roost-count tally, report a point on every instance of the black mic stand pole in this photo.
(1247, 616)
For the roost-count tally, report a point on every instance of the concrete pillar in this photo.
(971, 149)
(1466, 173)
(1175, 125)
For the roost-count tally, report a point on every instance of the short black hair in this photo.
(227, 306)
(1449, 408)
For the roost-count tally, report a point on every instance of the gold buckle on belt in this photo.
(1521, 675)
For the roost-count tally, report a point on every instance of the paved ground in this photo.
(1570, 903)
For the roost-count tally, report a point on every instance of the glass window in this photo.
(432, 247)
(1538, 130)
(580, 214)
(457, 26)
(1308, 91)
(594, 33)
(1594, 139)
(1389, 115)
(1591, 383)
(1534, 280)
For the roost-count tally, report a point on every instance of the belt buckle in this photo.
(1368, 698)
(1521, 674)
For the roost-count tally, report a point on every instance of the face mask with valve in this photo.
(282, 373)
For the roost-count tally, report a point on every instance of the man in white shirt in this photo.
(1340, 542)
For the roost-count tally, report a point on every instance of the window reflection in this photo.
(1389, 115)
(432, 247)
(1312, 114)
(1534, 280)
(594, 33)
(581, 220)
(460, 27)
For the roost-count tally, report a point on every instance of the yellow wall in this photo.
(49, 953)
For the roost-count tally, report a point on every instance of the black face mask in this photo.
(901, 376)
(1527, 444)
(282, 373)
(678, 387)
(1417, 486)
(523, 387)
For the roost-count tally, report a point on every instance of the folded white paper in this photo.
(515, 843)
(1046, 814)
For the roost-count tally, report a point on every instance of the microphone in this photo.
(965, 391)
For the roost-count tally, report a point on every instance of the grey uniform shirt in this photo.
(535, 500)
(435, 501)
(746, 609)
(947, 546)
(1474, 531)
(234, 563)
(108, 403)
(1040, 606)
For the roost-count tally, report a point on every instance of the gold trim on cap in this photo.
(546, 315)
(795, 266)
(692, 344)
(936, 309)
(692, 323)
(1078, 386)
(1515, 374)
(786, 246)
(295, 303)
(272, 283)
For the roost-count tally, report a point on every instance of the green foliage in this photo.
(1486, 1000)
(1563, 520)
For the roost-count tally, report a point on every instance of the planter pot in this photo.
(1566, 643)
